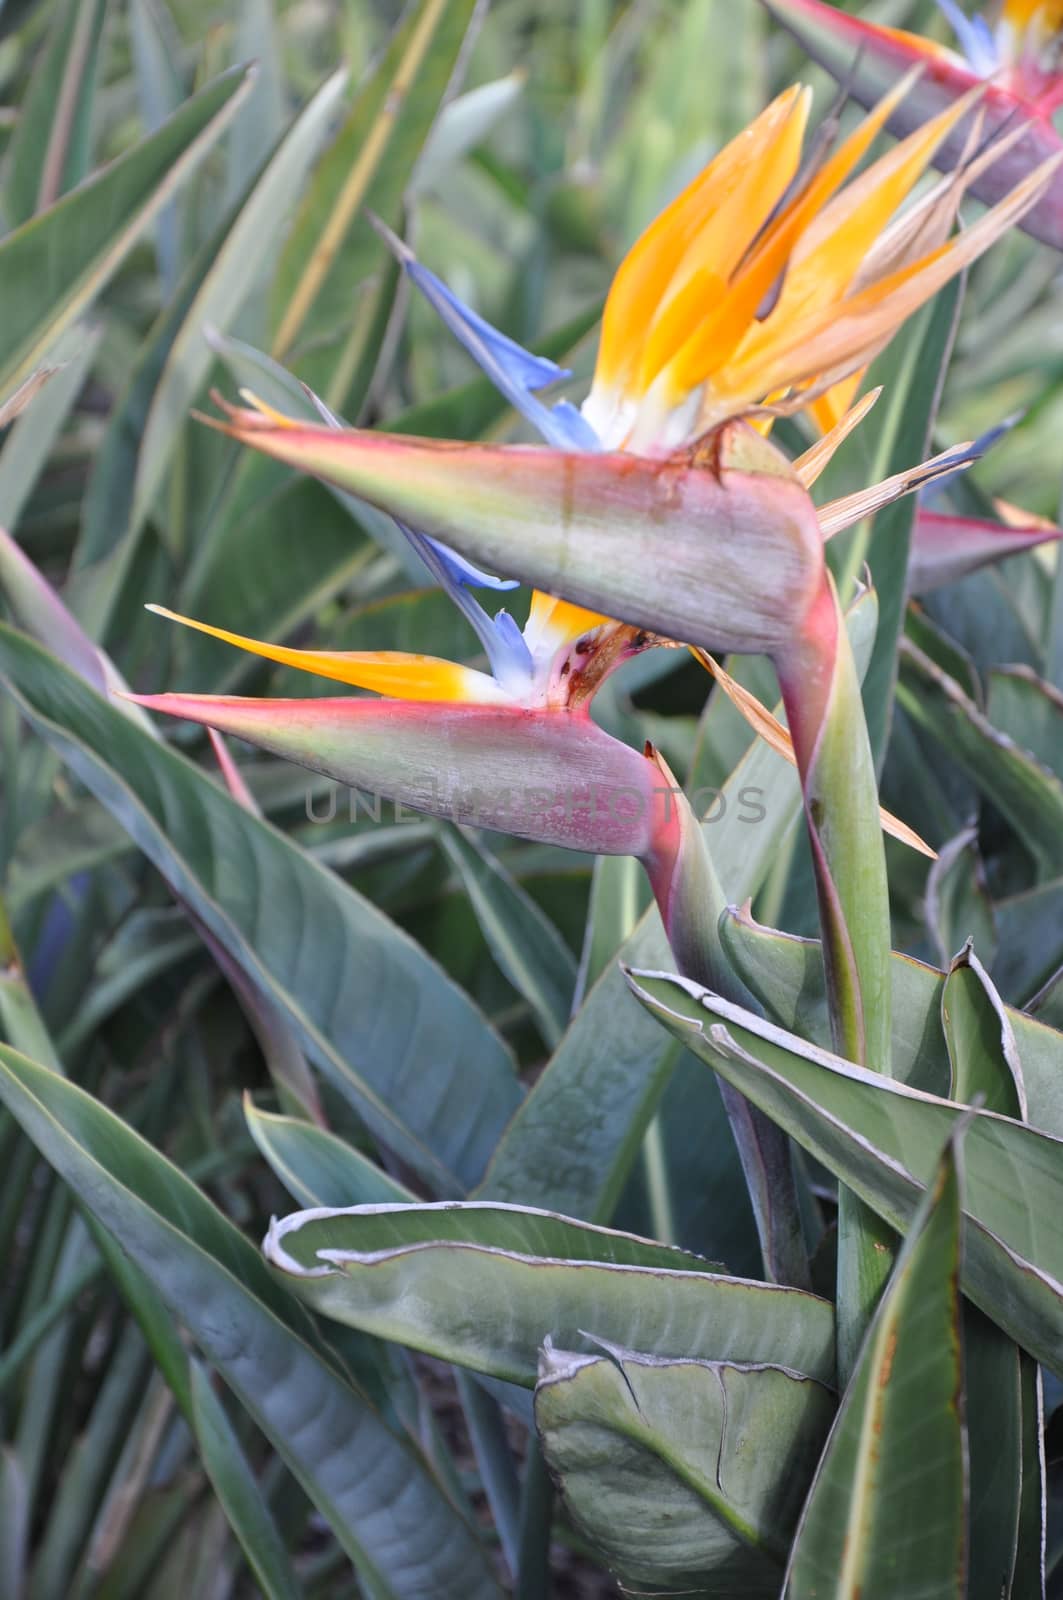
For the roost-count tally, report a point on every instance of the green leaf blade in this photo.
(886, 1514)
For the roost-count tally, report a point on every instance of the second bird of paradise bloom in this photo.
(1013, 49)
(768, 282)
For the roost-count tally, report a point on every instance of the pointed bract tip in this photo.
(398, 247)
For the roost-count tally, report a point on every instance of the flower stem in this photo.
(821, 692)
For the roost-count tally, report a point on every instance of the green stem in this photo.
(487, 1430)
(1054, 651)
(21, 1023)
(655, 1166)
(536, 1518)
(821, 692)
(691, 902)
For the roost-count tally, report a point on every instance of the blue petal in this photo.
(503, 642)
(511, 660)
(464, 574)
(974, 37)
(514, 371)
(580, 434)
(487, 344)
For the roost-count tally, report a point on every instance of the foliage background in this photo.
(595, 113)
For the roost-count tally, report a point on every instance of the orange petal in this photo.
(701, 277)
(553, 623)
(843, 334)
(831, 408)
(715, 340)
(644, 275)
(396, 673)
(814, 460)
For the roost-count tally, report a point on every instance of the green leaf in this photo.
(882, 1138)
(54, 265)
(262, 120)
(1030, 948)
(106, 514)
(980, 1040)
(33, 437)
(1001, 1383)
(1028, 794)
(13, 13)
(14, 1524)
(155, 48)
(688, 1475)
(524, 942)
(911, 400)
(51, 151)
(483, 1285)
(251, 238)
(461, 125)
(394, 1522)
(226, 1465)
(21, 1023)
(886, 1514)
(958, 903)
(315, 1166)
(368, 1006)
(332, 248)
(238, 1493)
(1029, 711)
(786, 975)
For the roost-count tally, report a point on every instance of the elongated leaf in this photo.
(689, 1475)
(1002, 1384)
(238, 1492)
(1030, 796)
(260, 124)
(21, 1022)
(882, 1137)
(1030, 712)
(461, 125)
(886, 1515)
(33, 436)
(981, 1041)
(396, 1036)
(332, 248)
(106, 518)
(155, 48)
(316, 1167)
(958, 903)
(1030, 948)
(523, 941)
(51, 152)
(54, 265)
(219, 1448)
(228, 282)
(924, 357)
(785, 974)
(14, 1525)
(484, 1284)
(383, 1506)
